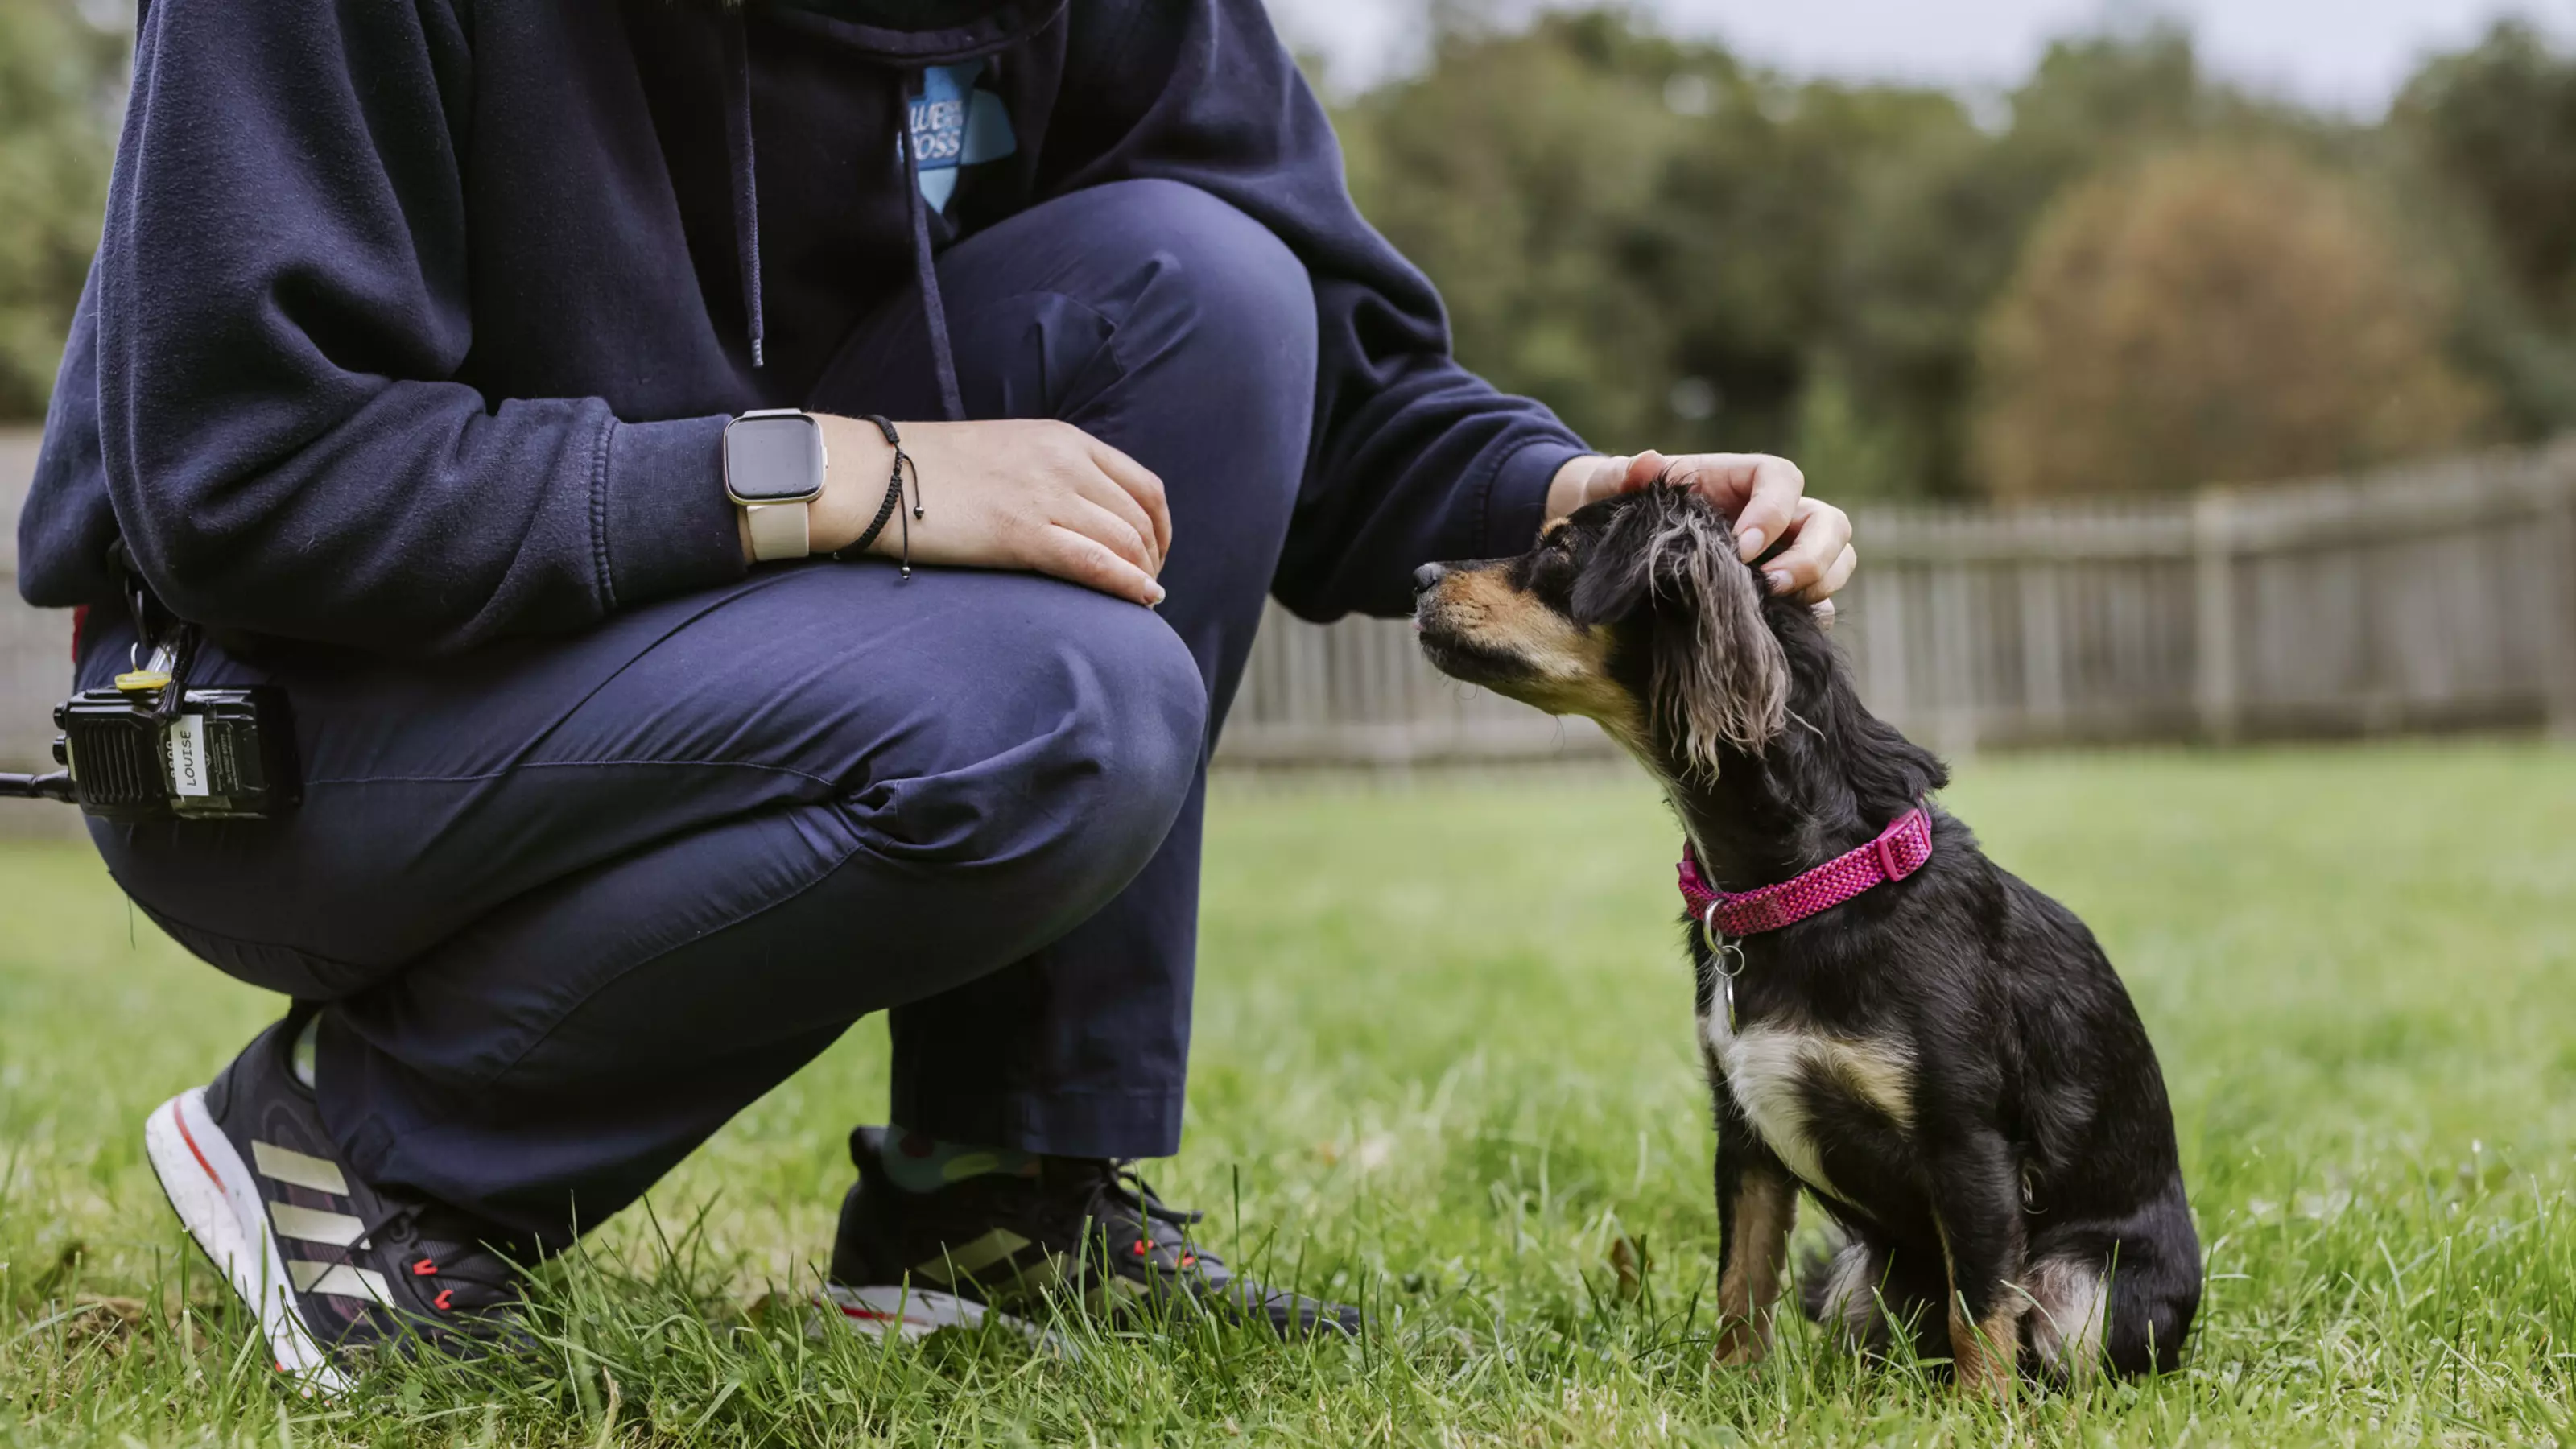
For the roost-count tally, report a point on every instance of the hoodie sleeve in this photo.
(283, 298)
(1414, 458)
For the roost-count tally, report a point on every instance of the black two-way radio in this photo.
(152, 747)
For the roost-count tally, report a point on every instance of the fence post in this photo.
(1883, 628)
(2558, 623)
(2043, 648)
(1955, 637)
(2213, 536)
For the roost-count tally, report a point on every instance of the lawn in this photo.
(1444, 1068)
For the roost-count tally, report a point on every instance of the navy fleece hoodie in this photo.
(416, 322)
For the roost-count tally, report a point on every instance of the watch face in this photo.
(773, 460)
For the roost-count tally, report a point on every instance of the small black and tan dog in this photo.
(1946, 1060)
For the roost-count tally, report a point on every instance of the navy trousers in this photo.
(574, 902)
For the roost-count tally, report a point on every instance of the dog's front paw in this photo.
(1985, 1379)
(1740, 1347)
(1981, 1363)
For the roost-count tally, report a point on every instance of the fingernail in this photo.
(1156, 601)
(1779, 580)
(1750, 540)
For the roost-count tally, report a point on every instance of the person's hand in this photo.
(1008, 494)
(1765, 498)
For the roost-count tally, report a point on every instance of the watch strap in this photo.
(778, 531)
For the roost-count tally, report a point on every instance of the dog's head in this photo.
(1637, 612)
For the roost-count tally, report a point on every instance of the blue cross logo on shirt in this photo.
(954, 125)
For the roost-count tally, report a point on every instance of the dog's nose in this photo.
(1428, 577)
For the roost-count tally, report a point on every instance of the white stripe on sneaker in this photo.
(312, 1225)
(341, 1280)
(972, 1258)
(282, 1164)
(916, 1313)
(216, 1196)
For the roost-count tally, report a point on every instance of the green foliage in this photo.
(1641, 231)
(1760, 263)
(1937, 240)
(1754, 223)
(59, 76)
(2499, 121)
(2214, 315)
(2487, 138)
(1677, 249)
(1445, 1065)
(1934, 238)
(1496, 163)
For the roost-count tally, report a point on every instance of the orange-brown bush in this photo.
(2218, 314)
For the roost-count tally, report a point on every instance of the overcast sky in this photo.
(2347, 54)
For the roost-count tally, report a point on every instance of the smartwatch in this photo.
(773, 468)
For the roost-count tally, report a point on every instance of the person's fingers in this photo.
(1121, 536)
(1823, 609)
(1771, 489)
(1101, 491)
(1642, 471)
(1757, 491)
(1816, 540)
(1837, 574)
(1141, 485)
(1084, 560)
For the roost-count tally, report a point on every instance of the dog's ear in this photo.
(1618, 578)
(1721, 676)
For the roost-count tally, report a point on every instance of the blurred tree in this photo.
(2218, 314)
(1672, 247)
(1675, 248)
(2499, 122)
(2488, 138)
(1934, 236)
(1640, 231)
(1753, 214)
(60, 83)
(1515, 170)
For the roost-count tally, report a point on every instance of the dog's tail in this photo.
(1834, 1280)
(1864, 1296)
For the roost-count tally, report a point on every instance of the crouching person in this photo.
(758, 510)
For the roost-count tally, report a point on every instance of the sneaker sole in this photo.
(917, 1313)
(214, 1195)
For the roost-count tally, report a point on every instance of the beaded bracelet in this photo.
(893, 498)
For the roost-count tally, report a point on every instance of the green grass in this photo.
(1443, 1066)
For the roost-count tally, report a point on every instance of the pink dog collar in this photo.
(1899, 851)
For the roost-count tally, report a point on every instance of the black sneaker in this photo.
(1082, 1233)
(333, 1269)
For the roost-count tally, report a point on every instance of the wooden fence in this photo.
(2429, 598)
(35, 647)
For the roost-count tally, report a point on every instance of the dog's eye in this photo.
(1554, 566)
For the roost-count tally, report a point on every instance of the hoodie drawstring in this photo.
(736, 81)
(746, 184)
(934, 311)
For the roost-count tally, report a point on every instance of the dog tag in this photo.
(1725, 956)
